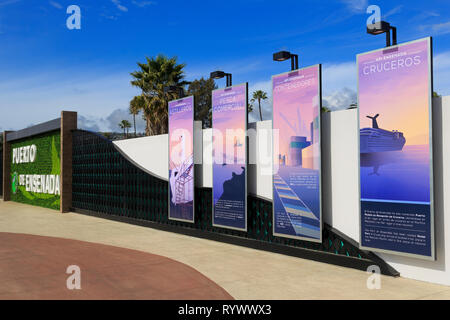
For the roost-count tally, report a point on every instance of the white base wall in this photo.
(150, 154)
(340, 190)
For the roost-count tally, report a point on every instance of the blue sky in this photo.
(46, 68)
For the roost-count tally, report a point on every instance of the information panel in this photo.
(229, 120)
(36, 170)
(297, 209)
(181, 159)
(396, 174)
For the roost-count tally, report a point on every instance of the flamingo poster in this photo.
(297, 158)
(396, 198)
(181, 159)
(229, 120)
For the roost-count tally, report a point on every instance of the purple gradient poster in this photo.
(229, 120)
(297, 159)
(394, 98)
(181, 159)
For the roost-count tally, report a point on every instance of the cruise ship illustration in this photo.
(379, 140)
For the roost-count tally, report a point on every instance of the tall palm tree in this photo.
(125, 125)
(259, 95)
(136, 105)
(153, 76)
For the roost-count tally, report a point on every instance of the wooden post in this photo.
(68, 123)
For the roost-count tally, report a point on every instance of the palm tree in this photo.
(125, 125)
(136, 105)
(153, 76)
(250, 107)
(202, 89)
(259, 95)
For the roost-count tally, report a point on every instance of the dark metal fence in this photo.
(105, 182)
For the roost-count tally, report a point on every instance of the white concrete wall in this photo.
(151, 154)
(260, 159)
(340, 190)
(206, 168)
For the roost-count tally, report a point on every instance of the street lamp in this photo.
(174, 89)
(220, 75)
(383, 27)
(285, 55)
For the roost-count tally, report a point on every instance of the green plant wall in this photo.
(47, 163)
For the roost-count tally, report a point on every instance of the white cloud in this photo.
(55, 4)
(92, 93)
(339, 99)
(357, 6)
(119, 5)
(8, 2)
(109, 17)
(122, 114)
(438, 28)
(88, 123)
(441, 64)
(142, 4)
(338, 75)
(110, 122)
(393, 11)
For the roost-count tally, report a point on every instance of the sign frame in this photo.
(319, 84)
(432, 257)
(245, 154)
(193, 168)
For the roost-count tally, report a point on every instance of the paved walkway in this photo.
(34, 267)
(243, 273)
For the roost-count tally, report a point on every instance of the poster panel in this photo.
(181, 159)
(229, 120)
(36, 170)
(297, 211)
(396, 172)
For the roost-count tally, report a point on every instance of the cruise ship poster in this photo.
(394, 98)
(229, 122)
(181, 159)
(297, 164)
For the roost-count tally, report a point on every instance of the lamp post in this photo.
(221, 74)
(383, 27)
(175, 89)
(285, 55)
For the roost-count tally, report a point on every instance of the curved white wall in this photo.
(151, 154)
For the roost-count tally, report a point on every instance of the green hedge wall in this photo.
(47, 163)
